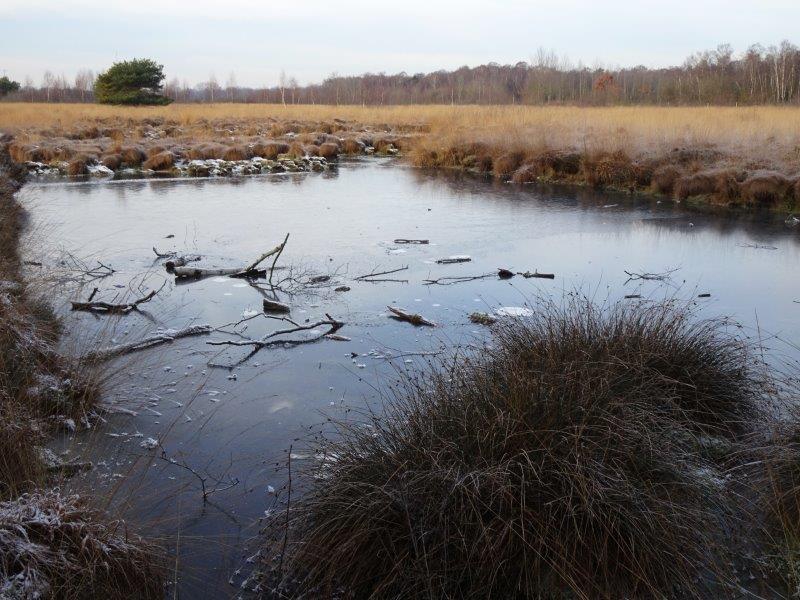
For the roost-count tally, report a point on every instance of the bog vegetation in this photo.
(52, 544)
(584, 454)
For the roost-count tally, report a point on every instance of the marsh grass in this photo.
(558, 462)
(51, 544)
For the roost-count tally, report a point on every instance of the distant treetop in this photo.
(137, 81)
(7, 86)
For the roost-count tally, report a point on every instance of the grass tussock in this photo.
(55, 546)
(162, 161)
(554, 464)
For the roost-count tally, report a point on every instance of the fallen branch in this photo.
(528, 275)
(269, 339)
(181, 261)
(452, 280)
(405, 241)
(649, 276)
(413, 318)
(453, 259)
(200, 272)
(250, 271)
(109, 308)
(156, 339)
(369, 276)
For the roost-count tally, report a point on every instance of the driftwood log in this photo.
(406, 241)
(453, 259)
(111, 308)
(158, 338)
(528, 275)
(250, 271)
(413, 318)
(275, 306)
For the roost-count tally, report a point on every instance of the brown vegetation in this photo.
(56, 546)
(681, 152)
(163, 161)
(559, 462)
(50, 545)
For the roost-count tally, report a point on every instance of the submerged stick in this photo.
(109, 308)
(406, 241)
(413, 318)
(148, 342)
(528, 275)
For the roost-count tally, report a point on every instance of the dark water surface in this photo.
(237, 424)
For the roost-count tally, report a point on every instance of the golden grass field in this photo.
(763, 130)
(731, 155)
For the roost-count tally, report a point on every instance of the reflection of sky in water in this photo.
(345, 223)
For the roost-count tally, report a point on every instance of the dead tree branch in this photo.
(632, 276)
(453, 280)
(413, 318)
(270, 339)
(370, 277)
(118, 309)
(251, 271)
(158, 338)
(405, 241)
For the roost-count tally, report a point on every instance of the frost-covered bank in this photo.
(51, 544)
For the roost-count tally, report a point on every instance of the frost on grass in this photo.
(53, 545)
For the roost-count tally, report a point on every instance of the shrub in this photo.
(112, 161)
(236, 153)
(384, 145)
(505, 164)
(526, 174)
(296, 150)
(78, 166)
(555, 464)
(664, 178)
(329, 150)
(766, 187)
(132, 82)
(352, 146)
(163, 161)
(270, 150)
(707, 183)
(608, 169)
(312, 150)
(132, 156)
(206, 151)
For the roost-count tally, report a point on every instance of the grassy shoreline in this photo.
(53, 544)
(721, 156)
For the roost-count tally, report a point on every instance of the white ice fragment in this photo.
(513, 311)
(149, 443)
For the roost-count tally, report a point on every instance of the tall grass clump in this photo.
(556, 463)
(53, 545)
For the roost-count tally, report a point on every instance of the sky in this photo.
(310, 39)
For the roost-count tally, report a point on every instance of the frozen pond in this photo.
(237, 424)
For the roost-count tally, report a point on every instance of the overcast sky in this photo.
(310, 39)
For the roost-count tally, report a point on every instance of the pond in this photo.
(233, 426)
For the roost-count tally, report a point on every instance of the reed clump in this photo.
(559, 462)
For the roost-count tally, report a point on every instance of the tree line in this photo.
(758, 76)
